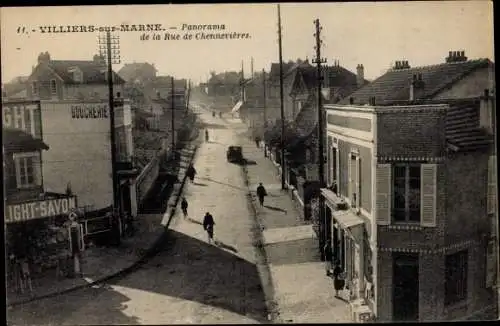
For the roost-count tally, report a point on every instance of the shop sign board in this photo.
(39, 209)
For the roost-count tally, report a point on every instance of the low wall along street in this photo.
(146, 179)
(39, 209)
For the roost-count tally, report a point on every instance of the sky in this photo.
(374, 34)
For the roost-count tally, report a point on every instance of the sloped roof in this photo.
(394, 85)
(17, 141)
(462, 129)
(94, 72)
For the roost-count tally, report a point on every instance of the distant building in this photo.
(70, 79)
(138, 72)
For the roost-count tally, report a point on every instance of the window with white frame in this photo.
(34, 87)
(354, 180)
(53, 87)
(406, 193)
(333, 165)
(28, 169)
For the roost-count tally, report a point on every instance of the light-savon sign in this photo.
(39, 209)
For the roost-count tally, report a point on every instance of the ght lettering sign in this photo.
(25, 115)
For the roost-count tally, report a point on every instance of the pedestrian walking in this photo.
(261, 193)
(338, 278)
(191, 172)
(257, 141)
(206, 135)
(184, 207)
(208, 225)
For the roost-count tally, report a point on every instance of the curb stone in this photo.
(148, 253)
(272, 306)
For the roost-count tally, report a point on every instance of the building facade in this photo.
(414, 243)
(70, 79)
(81, 160)
(34, 216)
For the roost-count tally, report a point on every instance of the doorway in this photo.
(405, 289)
(126, 205)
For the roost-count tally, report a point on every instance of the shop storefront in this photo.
(347, 236)
(38, 236)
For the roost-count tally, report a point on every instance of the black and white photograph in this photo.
(246, 163)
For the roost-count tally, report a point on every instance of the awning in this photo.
(237, 106)
(17, 141)
(347, 219)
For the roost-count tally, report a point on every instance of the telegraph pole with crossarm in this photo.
(323, 228)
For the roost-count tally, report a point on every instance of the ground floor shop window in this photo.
(456, 277)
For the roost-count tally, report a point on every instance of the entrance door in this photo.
(126, 205)
(405, 287)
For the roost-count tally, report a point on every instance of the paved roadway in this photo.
(189, 281)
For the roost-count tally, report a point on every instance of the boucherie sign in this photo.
(39, 209)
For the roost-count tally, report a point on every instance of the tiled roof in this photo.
(394, 85)
(93, 72)
(462, 126)
(288, 68)
(17, 141)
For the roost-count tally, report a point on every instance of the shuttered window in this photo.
(354, 178)
(383, 194)
(428, 195)
(492, 186)
(406, 192)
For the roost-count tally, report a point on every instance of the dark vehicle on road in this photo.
(234, 154)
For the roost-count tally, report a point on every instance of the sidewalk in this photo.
(102, 263)
(302, 291)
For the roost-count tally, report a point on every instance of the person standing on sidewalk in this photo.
(184, 207)
(338, 279)
(261, 193)
(208, 225)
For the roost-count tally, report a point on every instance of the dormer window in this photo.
(53, 87)
(34, 88)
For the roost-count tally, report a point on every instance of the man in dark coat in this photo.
(191, 172)
(208, 225)
(184, 206)
(261, 193)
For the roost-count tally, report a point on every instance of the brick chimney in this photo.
(44, 57)
(360, 75)
(456, 56)
(416, 87)
(403, 64)
(486, 114)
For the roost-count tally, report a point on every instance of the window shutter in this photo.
(428, 194)
(491, 201)
(337, 169)
(384, 194)
(358, 179)
(37, 169)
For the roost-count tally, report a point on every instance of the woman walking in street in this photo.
(208, 225)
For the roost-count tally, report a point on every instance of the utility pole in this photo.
(264, 96)
(109, 48)
(172, 113)
(321, 161)
(282, 109)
